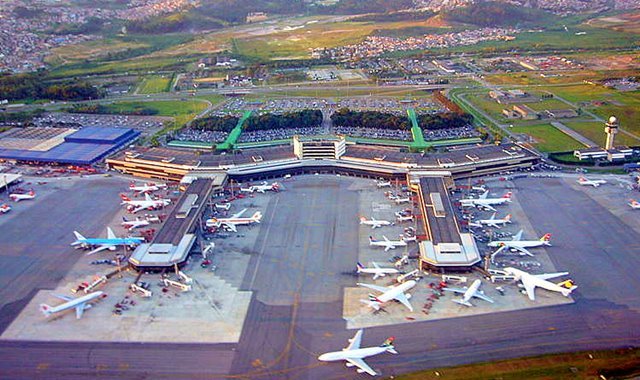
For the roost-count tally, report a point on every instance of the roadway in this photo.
(307, 241)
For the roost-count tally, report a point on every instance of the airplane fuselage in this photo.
(359, 353)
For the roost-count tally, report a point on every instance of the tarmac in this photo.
(290, 321)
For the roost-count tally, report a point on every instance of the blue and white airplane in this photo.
(110, 243)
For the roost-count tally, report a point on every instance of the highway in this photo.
(305, 247)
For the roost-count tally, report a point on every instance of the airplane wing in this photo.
(455, 290)
(404, 300)
(497, 251)
(522, 250)
(137, 208)
(518, 236)
(354, 343)
(381, 289)
(488, 207)
(363, 366)
(548, 276)
(484, 195)
(388, 247)
(100, 248)
(238, 214)
(80, 310)
(385, 238)
(375, 265)
(63, 297)
(492, 224)
(231, 226)
(482, 296)
(530, 287)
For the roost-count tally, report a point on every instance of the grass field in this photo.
(548, 138)
(182, 111)
(155, 84)
(594, 131)
(614, 364)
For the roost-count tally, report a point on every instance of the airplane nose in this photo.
(323, 357)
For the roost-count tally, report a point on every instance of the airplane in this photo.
(517, 244)
(146, 188)
(131, 224)
(386, 243)
(389, 293)
(80, 304)
(531, 281)
(110, 243)
(401, 219)
(382, 184)
(235, 220)
(468, 293)
(583, 181)
(222, 206)
(486, 203)
(374, 223)
(264, 187)
(377, 271)
(492, 222)
(16, 197)
(402, 200)
(354, 355)
(634, 204)
(5, 208)
(147, 203)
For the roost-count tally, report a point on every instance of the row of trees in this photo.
(373, 119)
(344, 117)
(101, 109)
(215, 123)
(301, 119)
(32, 86)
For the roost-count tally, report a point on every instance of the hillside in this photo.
(498, 14)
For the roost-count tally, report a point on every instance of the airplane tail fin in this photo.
(566, 292)
(31, 192)
(257, 216)
(546, 237)
(362, 219)
(372, 240)
(78, 236)
(124, 219)
(359, 266)
(45, 309)
(125, 198)
(388, 344)
(508, 218)
(507, 195)
(462, 302)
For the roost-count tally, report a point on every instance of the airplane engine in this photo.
(408, 295)
(349, 365)
(360, 370)
(112, 248)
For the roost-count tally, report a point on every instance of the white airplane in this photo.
(386, 243)
(487, 203)
(492, 222)
(402, 200)
(519, 245)
(264, 187)
(468, 293)
(531, 281)
(583, 181)
(634, 204)
(235, 220)
(80, 304)
(110, 243)
(382, 184)
(377, 271)
(388, 294)
(222, 206)
(146, 188)
(374, 223)
(147, 203)
(5, 208)
(131, 224)
(354, 355)
(16, 197)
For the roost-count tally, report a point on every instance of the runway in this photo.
(307, 241)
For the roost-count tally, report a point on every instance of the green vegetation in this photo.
(176, 22)
(215, 123)
(182, 111)
(33, 86)
(548, 138)
(500, 14)
(299, 119)
(155, 84)
(612, 364)
(594, 131)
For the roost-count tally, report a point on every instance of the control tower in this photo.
(610, 128)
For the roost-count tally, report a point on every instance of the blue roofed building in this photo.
(64, 145)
